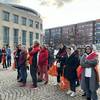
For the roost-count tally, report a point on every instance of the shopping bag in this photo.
(53, 70)
(64, 83)
(97, 73)
(79, 72)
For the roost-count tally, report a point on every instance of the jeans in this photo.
(8, 61)
(18, 73)
(89, 93)
(33, 72)
(73, 85)
(23, 72)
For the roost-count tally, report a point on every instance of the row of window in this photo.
(6, 17)
(16, 37)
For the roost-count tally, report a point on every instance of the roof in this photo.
(25, 9)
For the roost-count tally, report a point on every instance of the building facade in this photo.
(68, 34)
(78, 34)
(97, 33)
(19, 25)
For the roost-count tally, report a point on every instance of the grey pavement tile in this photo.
(10, 90)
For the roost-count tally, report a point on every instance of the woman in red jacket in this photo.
(4, 57)
(43, 63)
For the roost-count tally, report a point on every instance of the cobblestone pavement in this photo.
(10, 90)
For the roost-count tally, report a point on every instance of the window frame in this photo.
(37, 35)
(6, 16)
(15, 18)
(6, 35)
(24, 21)
(24, 33)
(30, 23)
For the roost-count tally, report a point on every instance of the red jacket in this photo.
(30, 59)
(43, 57)
(31, 54)
(34, 50)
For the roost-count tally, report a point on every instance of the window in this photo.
(23, 37)
(37, 24)
(5, 35)
(5, 15)
(37, 35)
(30, 23)
(16, 36)
(31, 38)
(23, 21)
(15, 19)
(41, 27)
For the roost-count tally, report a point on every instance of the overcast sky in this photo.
(63, 12)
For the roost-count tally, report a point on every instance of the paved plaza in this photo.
(10, 90)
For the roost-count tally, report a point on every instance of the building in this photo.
(78, 34)
(19, 25)
(85, 33)
(68, 34)
(97, 33)
(53, 36)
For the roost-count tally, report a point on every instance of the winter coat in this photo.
(43, 57)
(34, 54)
(62, 57)
(8, 52)
(94, 84)
(29, 58)
(17, 54)
(3, 56)
(22, 58)
(71, 65)
(50, 56)
(0, 55)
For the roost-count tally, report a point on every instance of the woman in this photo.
(22, 65)
(61, 59)
(4, 57)
(89, 76)
(43, 63)
(70, 70)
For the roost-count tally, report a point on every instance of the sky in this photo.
(63, 12)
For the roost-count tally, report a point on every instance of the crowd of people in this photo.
(35, 59)
(38, 60)
(87, 59)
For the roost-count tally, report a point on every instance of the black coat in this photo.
(34, 60)
(62, 57)
(71, 65)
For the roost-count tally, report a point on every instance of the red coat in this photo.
(30, 59)
(43, 57)
(31, 54)
(34, 50)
